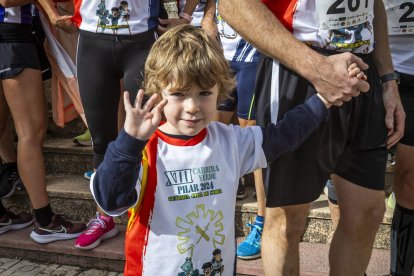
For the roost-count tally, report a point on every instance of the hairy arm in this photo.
(209, 19)
(190, 6)
(395, 116)
(329, 75)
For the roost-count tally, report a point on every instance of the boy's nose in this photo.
(192, 105)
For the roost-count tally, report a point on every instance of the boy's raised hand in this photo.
(141, 123)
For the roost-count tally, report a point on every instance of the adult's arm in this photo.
(188, 9)
(395, 116)
(257, 24)
(114, 183)
(13, 3)
(61, 21)
(209, 19)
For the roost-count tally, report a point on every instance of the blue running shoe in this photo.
(250, 248)
(88, 174)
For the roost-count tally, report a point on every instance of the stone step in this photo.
(62, 156)
(70, 196)
(63, 258)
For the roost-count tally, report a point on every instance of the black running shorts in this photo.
(350, 143)
(17, 50)
(407, 97)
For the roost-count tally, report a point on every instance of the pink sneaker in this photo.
(98, 229)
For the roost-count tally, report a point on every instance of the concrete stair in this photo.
(69, 194)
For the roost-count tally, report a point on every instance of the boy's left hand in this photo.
(141, 123)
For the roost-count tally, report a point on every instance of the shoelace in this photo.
(95, 224)
(254, 234)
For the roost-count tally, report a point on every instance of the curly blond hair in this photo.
(183, 56)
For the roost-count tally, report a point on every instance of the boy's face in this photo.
(188, 112)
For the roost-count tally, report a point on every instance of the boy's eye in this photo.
(205, 93)
(177, 94)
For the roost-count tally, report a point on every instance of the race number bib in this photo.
(400, 16)
(337, 14)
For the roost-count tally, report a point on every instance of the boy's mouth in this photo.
(192, 121)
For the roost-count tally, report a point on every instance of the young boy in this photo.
(182, 182)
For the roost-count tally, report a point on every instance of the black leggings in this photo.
(102, 61)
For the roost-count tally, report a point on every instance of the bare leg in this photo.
(224, 116)
(7, 153)
(258, 178)
(402, 230)
(283, 229)
(362, 211)
(24, 95)
(404, 176)
(335, 215)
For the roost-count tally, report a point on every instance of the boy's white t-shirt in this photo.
(191, 207)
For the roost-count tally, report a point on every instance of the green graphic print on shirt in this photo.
(114, 19)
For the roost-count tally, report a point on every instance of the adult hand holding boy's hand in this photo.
(141, 123)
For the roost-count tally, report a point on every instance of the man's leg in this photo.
(333, 204)
(402, 237)
(7, 153)
(283, 229)
(24, 95)
(362, 211)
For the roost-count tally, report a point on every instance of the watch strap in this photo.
(390, 76)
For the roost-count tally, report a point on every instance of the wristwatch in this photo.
(390, 76)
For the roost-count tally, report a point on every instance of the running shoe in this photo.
(9, 179)
(98, 230)
(83, 139)
(11, 221)
(250, 248)
(241, 191)
(58, 229)
(88, 174)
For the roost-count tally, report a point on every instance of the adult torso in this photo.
(340, 25)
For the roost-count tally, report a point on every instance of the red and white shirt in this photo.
(400, 15)
(184, 217)
(331, 24)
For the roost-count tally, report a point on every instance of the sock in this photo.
(2, 210)
(44, 215)
(402, 241)
(259, 221)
